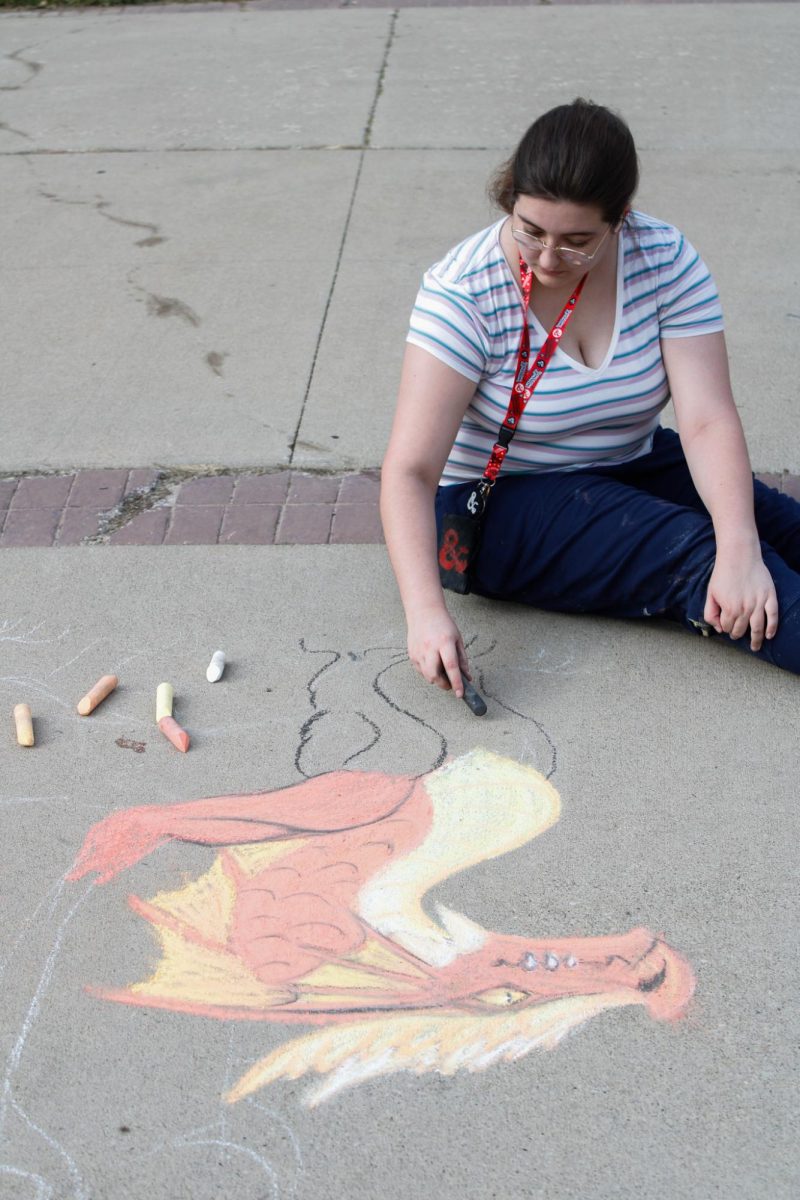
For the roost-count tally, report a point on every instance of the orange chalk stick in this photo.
(173, 732)
(24, 724)
(104, 687)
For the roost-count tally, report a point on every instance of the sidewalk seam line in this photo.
(364, 147)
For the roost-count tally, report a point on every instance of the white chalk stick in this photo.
(216, 666)
(164, 698)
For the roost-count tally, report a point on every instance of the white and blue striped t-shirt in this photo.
(468, 313)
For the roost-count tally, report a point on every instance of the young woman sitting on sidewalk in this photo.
(597, 508)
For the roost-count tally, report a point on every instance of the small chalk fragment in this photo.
(216, 666)
(173, 732)
(24, 724)
(473, 699)
(104, 687)
(164, 699)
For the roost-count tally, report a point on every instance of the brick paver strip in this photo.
(145, 529)
(305, 525)
(194, 525)
(242, 507)
(98, 489)
(356, 524)
(42, 491)
(249, 525)
(7, 489)
(262, 489)
(30, 526)
(313, 489)
(77, 524)
(211, 490)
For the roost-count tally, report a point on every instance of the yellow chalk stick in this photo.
(24, 724)
(104, 687)
(164, 698)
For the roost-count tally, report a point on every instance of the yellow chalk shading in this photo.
(421, 1043)
(104, 687)
(199, 976)
(374, 954)
(205, 905)
(336, 975)
(24, 724)
(164, 700)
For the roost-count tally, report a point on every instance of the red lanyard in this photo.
(526, 377)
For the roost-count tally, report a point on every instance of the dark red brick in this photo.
(30, 526)
(145, 529)
(262, 489)
(214, 489)
(141, 478)
(356, 523)
(100, 490)
(249, 524)
(791, 485)
(42, 491)
(313, 489)
(77, 524)
(305, 525)
(360, 489)
(194, 525)
(7, 489)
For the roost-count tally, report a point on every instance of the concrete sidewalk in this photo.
(164, 175)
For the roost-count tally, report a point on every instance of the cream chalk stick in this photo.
(104, 687)
(164, 698)
(173, 732)
(216, 666)
(24, 724)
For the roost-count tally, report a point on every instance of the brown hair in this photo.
(580, 152)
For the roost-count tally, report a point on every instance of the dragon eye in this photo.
(501, 997)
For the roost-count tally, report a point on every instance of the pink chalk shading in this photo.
(311, 911)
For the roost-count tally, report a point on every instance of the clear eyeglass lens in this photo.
(535, 246)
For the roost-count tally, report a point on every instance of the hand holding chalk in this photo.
(104, 687)
(216, 666)
(473, 699)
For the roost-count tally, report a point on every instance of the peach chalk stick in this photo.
(96, 695)
(173, 732)
(164, 699)
(24, 724)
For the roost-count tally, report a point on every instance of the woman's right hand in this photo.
(436, 649)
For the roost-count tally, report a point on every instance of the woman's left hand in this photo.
(741, 594)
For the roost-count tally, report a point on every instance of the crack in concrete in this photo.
(363, 149)
(33, 67)
(17, 132)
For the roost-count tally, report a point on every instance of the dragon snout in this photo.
(665, 980)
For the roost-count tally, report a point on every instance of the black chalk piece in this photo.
(474, 700)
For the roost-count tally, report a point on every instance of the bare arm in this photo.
(431, 403)
(741, 592)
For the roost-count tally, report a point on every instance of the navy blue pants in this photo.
(625, 541)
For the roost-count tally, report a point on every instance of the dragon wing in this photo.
(420, 1043)
(339, 910)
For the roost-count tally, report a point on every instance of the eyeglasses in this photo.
(535, 246)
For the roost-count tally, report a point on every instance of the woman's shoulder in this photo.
(653, 238)
(474, 261)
